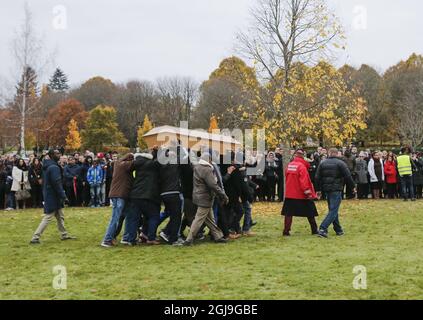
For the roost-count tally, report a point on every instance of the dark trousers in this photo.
(224, 218)
(362, 191)
(150, 213)
(107, 199)
(236, 214)
(189, 214)
(173, 206)
(407, 188)
(349, 192)
(2, 197)
(280, 188)
(391, 190)
(271, 188)
(36, 196)
(86, 194)
(288, 224)
(419, 191)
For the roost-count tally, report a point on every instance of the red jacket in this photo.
(298, 183)
(390, 172)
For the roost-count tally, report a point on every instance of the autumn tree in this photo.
(142, 130)
(55, 127)
(95, 91)
(232, 85)
(102, 130)
(73, 139)
(284, 32)
(213, 125)
(316, 104)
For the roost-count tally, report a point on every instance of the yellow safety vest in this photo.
(404, 165)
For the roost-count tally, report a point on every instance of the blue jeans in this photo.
(334, 202)
(10, 200)
(247, 216)
(95, 191)
(118, 205)
(407, 187)
(150, 212)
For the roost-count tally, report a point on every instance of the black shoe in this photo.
(286, 234)
(414, 199)
(221, 240)
(340, 234)
(107, 244)
(200, 236)
(323, 234)
(35, 241)
(253, 223)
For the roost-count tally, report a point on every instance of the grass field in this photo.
(384, 236)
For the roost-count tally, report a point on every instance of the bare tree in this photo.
(190, 93)
(411, 120)
(177, 97)
(27, 49)
(287, 31)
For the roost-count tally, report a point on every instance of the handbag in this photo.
(21, 195)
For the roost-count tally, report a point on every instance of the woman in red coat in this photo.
(299, 194)
(391, 177)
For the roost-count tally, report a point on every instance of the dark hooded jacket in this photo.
(146, 186)
(53, 192)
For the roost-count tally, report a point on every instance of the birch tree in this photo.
(27, 49)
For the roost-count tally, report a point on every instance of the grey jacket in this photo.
(206, 186)
(361, 171)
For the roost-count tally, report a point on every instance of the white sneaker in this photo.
(9, 209)
(126, 243)
(164, 236)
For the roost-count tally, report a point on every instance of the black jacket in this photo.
(146, 184)
(169, 178)
(332, 174)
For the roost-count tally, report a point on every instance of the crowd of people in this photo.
(201, 189)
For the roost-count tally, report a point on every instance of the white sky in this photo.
(148, 39)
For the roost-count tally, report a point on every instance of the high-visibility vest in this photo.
(404, 165)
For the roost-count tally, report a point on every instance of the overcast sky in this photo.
(148, 39)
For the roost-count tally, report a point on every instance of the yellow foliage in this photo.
(142, 130)
(73, 139)
(213, 125)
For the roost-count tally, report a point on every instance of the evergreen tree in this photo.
(59, 81)
(30, 77)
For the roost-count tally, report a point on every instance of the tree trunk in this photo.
(23, 115)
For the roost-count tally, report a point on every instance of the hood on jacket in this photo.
(143, 155)
(205, 163)
(48, 162)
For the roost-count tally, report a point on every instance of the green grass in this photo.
(384, 236)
